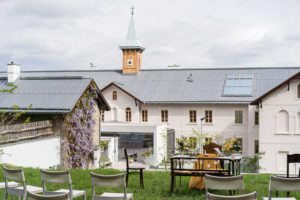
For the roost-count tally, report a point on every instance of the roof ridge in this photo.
(218, 68)
(165, 69)
(54, 78)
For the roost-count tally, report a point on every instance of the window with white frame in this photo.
(193, 116)
(128, 115)
(208, 116)
(114, 95)
(144, 115)
(281, 160)
(238, 116)
(256, 146)
(164, 115)
(256, 118)
(283, 121)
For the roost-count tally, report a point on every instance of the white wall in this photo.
(178, 115)
(275, 141)
(253, 129)
(119, 106)
(223, 119)
(41, 153)
(160, 144)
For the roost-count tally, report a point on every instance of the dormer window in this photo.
(298, 91)
(129, 62)
(114, 95)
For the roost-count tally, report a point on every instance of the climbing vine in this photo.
(79, 126)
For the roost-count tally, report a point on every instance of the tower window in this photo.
(128, 115)
(129, 62)
(193, 116)
(114, 95)
(164, 115)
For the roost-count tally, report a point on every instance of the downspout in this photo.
(100, 140)
(61, 120)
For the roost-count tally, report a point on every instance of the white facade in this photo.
(118, 107)
(41, 153)
(223, 117)
(279, 129)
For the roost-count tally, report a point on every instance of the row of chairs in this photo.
(61, 177)
(236, 183)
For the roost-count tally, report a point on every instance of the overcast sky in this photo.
(69, 34)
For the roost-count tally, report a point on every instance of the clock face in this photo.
(129, 62)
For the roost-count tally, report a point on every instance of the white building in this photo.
(279, 129)
(143, 101)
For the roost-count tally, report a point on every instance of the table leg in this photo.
(172, 184)
(141, 179)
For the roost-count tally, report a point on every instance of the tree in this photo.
(8, 118)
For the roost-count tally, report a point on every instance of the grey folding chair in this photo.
(283, 184)
(10, 184)
(230, 183)
(109, 181)
(17, 175)
(60, 177)
(250, 196)
(32, 196)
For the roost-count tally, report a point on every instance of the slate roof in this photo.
(172, 85)
(45, 94)
(259, 98)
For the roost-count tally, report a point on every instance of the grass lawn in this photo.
(157, 184)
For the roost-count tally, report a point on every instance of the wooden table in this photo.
(184, 166)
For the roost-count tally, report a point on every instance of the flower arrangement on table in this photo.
(231, 146)
(185, 145)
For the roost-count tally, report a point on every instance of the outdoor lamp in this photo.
(200, 142)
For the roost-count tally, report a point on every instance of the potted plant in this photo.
(146, 154)
(131, 160)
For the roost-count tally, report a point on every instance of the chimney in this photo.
(13, 72)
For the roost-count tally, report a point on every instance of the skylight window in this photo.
(238, 85)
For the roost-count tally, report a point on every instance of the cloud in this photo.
(70, 34)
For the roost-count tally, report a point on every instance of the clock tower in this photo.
(132, 49)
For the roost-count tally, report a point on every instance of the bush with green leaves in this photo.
(250, 164)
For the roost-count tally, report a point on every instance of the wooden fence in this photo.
(18, 132)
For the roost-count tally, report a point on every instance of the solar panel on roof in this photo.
(238, 85)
